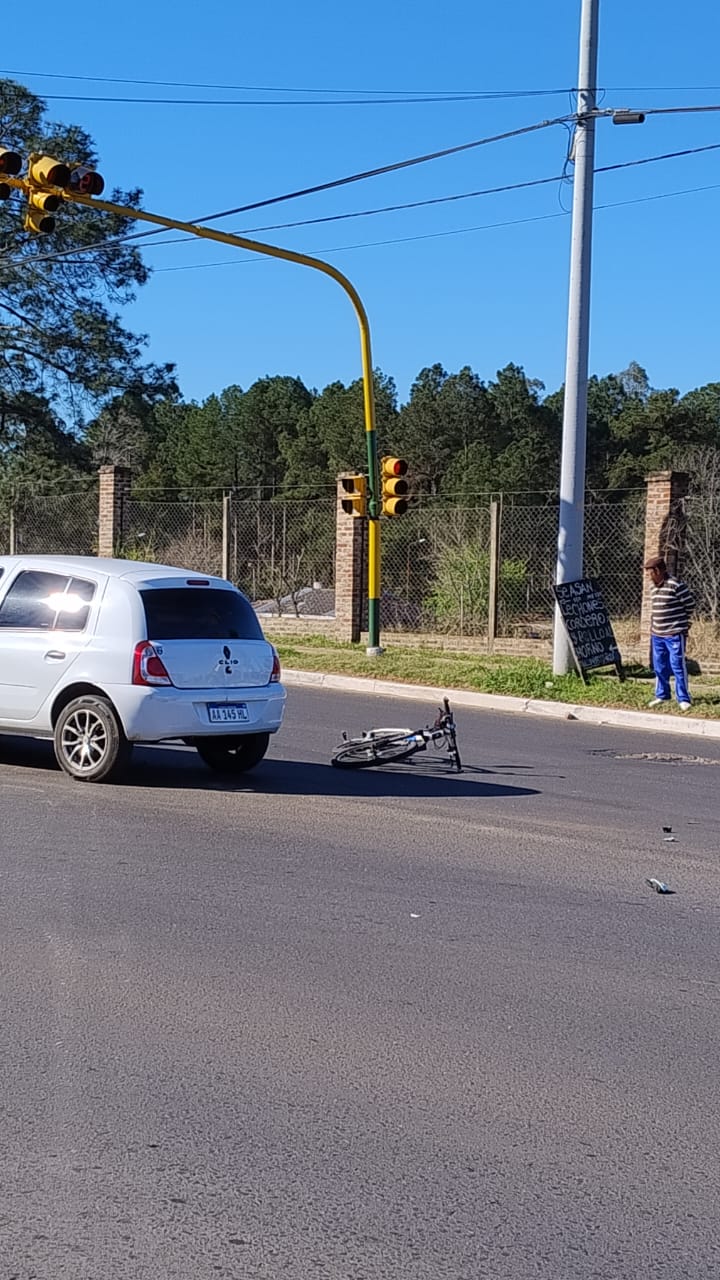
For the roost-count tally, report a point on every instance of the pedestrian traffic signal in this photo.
(86, 182)
(355, 504)
(395, 489)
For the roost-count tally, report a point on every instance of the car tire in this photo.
(89, 741)
(232, 754)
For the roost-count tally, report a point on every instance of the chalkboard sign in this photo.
(588, 625)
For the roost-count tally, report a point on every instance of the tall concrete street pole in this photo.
(572, 468)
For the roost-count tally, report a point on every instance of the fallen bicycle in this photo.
(386, 746)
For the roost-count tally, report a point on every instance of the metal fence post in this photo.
(494, 575)
(227, 500)
(11, 528)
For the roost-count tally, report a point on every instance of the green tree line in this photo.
(463, 437)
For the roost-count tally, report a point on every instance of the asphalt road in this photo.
(335, 1026)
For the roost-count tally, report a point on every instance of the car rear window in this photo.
(199, 613)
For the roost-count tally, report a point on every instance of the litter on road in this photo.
(659, 885)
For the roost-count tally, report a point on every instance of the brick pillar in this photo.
(114, 495)
(350, 546)
(664, 530)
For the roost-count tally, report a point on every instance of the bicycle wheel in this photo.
(362, 753)
(454, 753)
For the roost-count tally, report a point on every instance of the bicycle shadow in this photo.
(174, 767)
(291, 777)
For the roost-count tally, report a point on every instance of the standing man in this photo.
(672, 604)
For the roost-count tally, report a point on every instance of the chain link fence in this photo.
(436, 560)
(695, 529)
(50, 524)
(701, 554)
(435, 569)
(276, 550)
(613, 544)
(437, 565)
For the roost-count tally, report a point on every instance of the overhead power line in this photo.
(562, 120)
(267, 102)
(516, 186)
(488, 94)
(481, 94)
(438, 235)
(468, 195)
(337, 182)
(387, 168)
(436, 200)
(680, 111)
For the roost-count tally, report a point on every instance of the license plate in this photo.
(227, 712)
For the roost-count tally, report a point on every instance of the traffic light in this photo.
(41, 205)
(44, 172)
(86, 182)
(395, 489)
(10, 163)
(355, 504)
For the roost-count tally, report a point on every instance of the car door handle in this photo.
(54, 655)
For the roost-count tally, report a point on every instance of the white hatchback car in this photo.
(100, 654)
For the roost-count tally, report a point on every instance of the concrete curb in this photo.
(659, 723)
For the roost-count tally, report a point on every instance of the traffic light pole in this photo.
(288, 255)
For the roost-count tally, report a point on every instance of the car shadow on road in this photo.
(178, 768)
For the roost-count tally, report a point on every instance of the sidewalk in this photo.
(657, 723)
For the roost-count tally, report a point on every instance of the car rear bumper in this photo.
(159, 714)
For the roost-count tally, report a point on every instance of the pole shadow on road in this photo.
(170, 767)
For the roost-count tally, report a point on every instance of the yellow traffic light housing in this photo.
(355, 504)
(395, 489)
(41, 205)
(44, 172)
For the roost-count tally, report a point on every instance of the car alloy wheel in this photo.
(89, 742)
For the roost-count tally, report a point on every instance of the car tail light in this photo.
(276, 672)
(148, 668)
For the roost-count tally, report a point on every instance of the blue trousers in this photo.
(668, 658)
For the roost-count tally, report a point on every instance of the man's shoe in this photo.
(658, 702)
(685, 706)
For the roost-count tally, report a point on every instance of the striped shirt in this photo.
(672, 604)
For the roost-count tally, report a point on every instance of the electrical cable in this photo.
(417, 204)
(341, 182)
(244, 88)
(435, 235)
(90, 250)
(260, 102)
(481, 94)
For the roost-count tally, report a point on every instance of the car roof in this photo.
(132, 570)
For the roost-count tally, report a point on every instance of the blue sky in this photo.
(440, 283)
